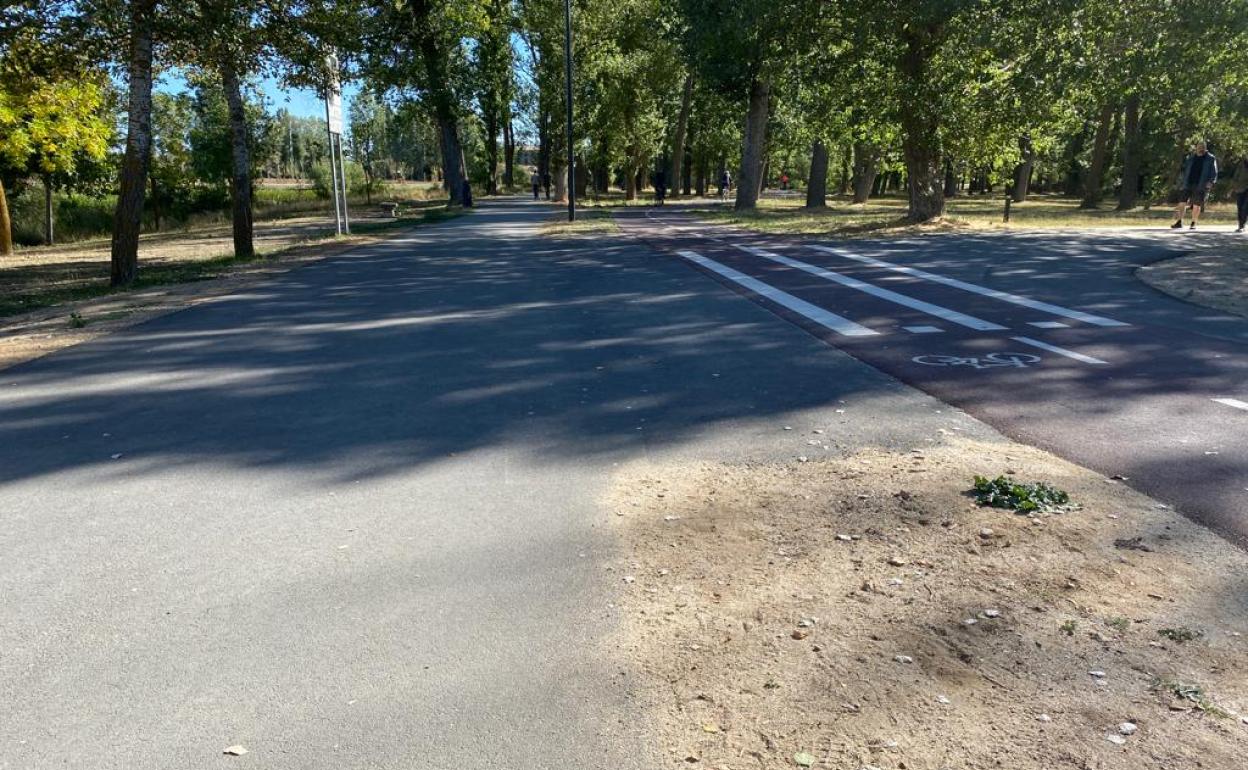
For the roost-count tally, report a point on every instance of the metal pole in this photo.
(342, 174)
(567, 58)
(333, 170)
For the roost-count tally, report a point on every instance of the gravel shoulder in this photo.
(865, 612)
(1217, 279)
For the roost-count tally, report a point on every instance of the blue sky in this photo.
(300, 101)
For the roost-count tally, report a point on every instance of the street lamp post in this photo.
(567, 58)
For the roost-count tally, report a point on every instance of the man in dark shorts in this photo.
(1200, 171)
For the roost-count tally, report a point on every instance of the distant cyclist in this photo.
(725, 183)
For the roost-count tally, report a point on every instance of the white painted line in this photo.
(953, 316)
(1048, 324)
(1059, 351)
(1003, 296)
(1235, 402)
(923, 329)
(817, 314)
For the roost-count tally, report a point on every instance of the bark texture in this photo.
(677, 163)
(864, 171)
(6, 225)
(753, 146)
(434, 59)
(1131, 155)
(1022, 172)
(920, 127)
(128, 218)
(240, 165)
(1092, 193)
(817, 188)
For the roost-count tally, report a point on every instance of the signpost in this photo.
(337, 164)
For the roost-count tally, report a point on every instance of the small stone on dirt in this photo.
(629, 579)
(903, 658)
(235, 751)
(844, 538)
(799, 634)
(803, 759)
(985, 533)
(1097, 674)
(1128, 728)
(1117, 740)
(992, 613)
(897, 561)
(943, 699)
(1045, 718)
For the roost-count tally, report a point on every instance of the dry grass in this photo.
(44, 276)
(886, 216)
(589, 222)
(865, 612)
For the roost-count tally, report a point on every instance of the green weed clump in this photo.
(1024, 498)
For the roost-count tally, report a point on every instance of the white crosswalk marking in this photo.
(817, 314)
(923, 329)
(1233, 402)
(953, 316)
(1059, 351)
(1003, 296)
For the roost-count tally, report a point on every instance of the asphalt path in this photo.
(353, 516)
(1049, 338)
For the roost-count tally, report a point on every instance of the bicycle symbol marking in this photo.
(990, 361)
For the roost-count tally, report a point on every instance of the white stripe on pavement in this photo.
(1048, 324)
(1235, 402)
(817, 314)
(1003, 296)
(1059, 351)
(923, 329)
(953, 316)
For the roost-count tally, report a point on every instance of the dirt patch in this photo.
(1215, 279)
(865, 612)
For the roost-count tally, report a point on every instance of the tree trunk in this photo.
(49, 234)
(6, 225)
(441, 97)
(581, 174)
(842, 184)
(240, 167)
(491, 145)
(864, 171)
(509, 152)
(156, 213)
(1130, 191)
(753, 146)
(560, 173)
(920, 129)
(1096, 168)
(129, 214)
(817, 189)
(951, 180)
(677, 164)
(1022, 172)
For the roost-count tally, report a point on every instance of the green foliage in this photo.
(322, 179)
(1180, 635)
(1024, 498)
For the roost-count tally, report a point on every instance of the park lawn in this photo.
(41, 277)
(886, 216)
(589, 221)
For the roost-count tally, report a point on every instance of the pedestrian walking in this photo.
(725, 183)
(535, 179)
(1239, 183)
(1200, 171)
(660, 186)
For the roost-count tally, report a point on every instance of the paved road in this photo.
(1048, 338)
(351, 518)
